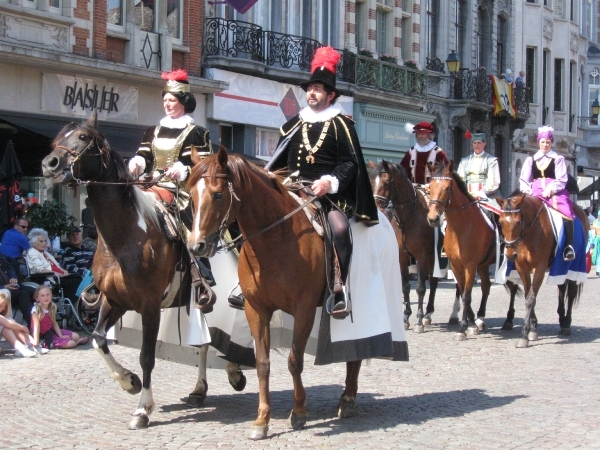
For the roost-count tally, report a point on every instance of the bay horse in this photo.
(469, 242)
(531, 244)
(135, 262)
(280, 267)
(397, 198)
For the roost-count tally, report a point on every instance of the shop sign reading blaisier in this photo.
(80, 96)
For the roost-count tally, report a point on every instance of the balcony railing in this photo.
(521, 99)
(236, 39)
(472, 85)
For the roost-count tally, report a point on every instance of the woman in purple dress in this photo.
(544, 175)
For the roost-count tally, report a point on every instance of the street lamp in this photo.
(595, 108)
(453, 63)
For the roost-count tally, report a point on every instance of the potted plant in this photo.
(365, 52)
(388, 58)
(411, 63)
(51, 216)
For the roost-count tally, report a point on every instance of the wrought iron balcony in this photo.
(471, 85)
(521, 99)
(236, 39)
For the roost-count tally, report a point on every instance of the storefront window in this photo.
(266, 143)
(114, 10)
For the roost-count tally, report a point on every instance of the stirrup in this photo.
(340, 309)
(204, 296)
(569, 253)
(237, 301)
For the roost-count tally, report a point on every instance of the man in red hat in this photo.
(425, 150)
(321, 145)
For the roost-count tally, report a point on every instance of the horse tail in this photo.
(518, 292)
(578, 295)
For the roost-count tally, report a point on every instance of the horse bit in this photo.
(389, 204)
(513, 243)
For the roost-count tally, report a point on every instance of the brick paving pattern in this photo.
(480, 393)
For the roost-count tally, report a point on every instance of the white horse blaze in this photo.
(200, 188)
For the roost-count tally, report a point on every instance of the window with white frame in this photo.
(361, 24)
(407, 34)
(266, 143)
(432, 27)
(174, 18)
(55, 6)
(115, 12)
(381, 31)
(144, 12)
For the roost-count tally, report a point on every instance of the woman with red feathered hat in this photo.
(168, 147)
(321, 144)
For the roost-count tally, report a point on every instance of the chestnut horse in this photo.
(469, 242)
(397, 198)
(531, 244)
(134, 264)
(280, 267)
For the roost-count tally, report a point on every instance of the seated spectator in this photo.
(91, 241)
(76, 259)
(44, 326)
(41, 261)
(20, 298)
(14, 240)
(16, 334)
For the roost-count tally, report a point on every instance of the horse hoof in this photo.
(297, 421)
(241, 384)
(418, 329)
(507, 326)
(258, 432)
(138, 422)
(460, 337)
(532, 336)
(346, 408)
(522, 343)
(195, 400)
(406, 326)
(453, 321)
(565, 331)
(426, 321)
(480, 324)
(473, 331)
(136, 384)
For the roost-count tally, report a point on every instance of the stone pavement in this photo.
(480, 393)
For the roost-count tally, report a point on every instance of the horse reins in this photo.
(513, 243)
(391, 207)
(447, 201)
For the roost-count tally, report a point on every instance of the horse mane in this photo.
(238, 167)
(142, 202)
(378, 169)
(123, 173)
(439, 170)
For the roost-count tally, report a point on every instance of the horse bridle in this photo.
(240, 239)
(390, 207)
(82, 153)
(442, 202)
(514, 242)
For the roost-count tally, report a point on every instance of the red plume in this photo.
(176, 75)
(325, 57)
(468, 134)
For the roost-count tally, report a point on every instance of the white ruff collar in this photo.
(308, 115)
(425, 148)
(540, 154)
(180, 122)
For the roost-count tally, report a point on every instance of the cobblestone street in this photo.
(480, 393)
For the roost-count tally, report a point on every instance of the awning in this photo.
(123, 138)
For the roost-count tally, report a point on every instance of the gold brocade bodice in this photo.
(166, 150)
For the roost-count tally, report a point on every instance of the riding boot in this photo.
(569, 251)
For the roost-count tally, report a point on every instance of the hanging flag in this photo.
(503, 97)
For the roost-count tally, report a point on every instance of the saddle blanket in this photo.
(375, 329)
(560, 270)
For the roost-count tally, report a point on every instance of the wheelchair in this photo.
(70, 315)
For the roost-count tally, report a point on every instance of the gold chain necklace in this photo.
(309, 148)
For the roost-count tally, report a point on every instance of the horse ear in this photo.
(385, 165)
(222, 156)
(93, 120)
(451, 166)
(430, 167)
(371, 164)
(500, 201)
(195, 157)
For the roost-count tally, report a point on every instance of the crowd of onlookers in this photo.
(27, 255)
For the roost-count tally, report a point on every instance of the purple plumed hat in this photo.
(545, 132)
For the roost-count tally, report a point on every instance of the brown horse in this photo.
(280, 267)
(531, 244)
(406, 209)
(469, 242)
(134, 264)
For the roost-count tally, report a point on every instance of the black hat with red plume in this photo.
(323, 69)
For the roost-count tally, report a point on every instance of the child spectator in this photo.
(16, 334)
(44, 326)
